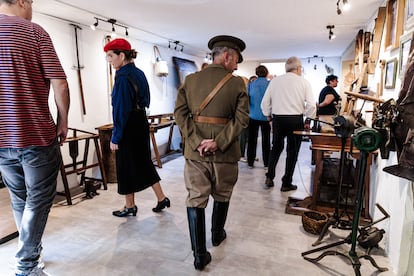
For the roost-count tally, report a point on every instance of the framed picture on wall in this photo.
(183, 67)
(405, 46)
(390, 73)
(394, 23)
(409, 14)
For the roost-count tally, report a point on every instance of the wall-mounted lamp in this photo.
(331, 34)
(112, 22)
(345, 6)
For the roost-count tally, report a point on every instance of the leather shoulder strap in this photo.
(135, 86)
(214, 92)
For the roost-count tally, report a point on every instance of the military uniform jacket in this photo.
(230, 102)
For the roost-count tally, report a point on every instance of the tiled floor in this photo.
(85, 239)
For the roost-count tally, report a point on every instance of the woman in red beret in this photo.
(130, 135)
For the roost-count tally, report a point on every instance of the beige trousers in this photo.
(203, 179)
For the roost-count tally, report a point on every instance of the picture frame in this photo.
(409, 14)
(390, 73)
(183, 68)
(394, 23)
(405, 46)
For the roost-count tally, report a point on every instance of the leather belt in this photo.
(210, 120)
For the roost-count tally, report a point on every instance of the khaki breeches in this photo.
(203, 179)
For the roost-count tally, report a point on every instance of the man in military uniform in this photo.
(210, 124)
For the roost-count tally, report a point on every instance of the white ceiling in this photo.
(272, 29)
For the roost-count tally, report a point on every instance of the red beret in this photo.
(117, 44)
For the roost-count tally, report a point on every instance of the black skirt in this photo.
(134, 167)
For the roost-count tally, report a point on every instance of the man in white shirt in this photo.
(287, 99)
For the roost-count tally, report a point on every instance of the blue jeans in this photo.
(30, 176)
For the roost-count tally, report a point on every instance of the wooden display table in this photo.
(329, 142)
(156, 122)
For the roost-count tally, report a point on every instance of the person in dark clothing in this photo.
(328, 98)
(130, 136)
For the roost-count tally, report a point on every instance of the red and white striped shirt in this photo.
(28, 61)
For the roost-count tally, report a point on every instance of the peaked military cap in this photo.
(228, 41)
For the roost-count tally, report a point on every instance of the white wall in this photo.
(316, 77)
(394, 194)
(95, 80)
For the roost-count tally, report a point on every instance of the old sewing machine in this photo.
(366, 140)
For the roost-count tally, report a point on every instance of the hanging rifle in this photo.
(78, 68)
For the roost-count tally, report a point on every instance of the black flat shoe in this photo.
(126, 212)
(269, 183)
(161, 205)
(288, 188)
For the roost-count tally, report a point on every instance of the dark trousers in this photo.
(252, 141)
(283, 127)
(244, 135)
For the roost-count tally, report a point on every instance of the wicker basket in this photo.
(313, 222)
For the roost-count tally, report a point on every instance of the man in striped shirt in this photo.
(29, 138)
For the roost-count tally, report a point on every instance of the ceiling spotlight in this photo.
(113, 23)
(331, 35)
(338, 10)
(113, 34)
(346, 6)
(94, 25)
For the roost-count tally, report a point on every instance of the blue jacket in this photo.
(124, 98)
(256, 91)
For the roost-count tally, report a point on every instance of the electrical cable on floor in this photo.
(301, 178)
(300, 174)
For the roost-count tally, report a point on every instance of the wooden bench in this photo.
(157, 122)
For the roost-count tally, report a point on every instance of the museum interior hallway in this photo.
(85, 239)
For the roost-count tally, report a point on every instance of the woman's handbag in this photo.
(160, 66)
